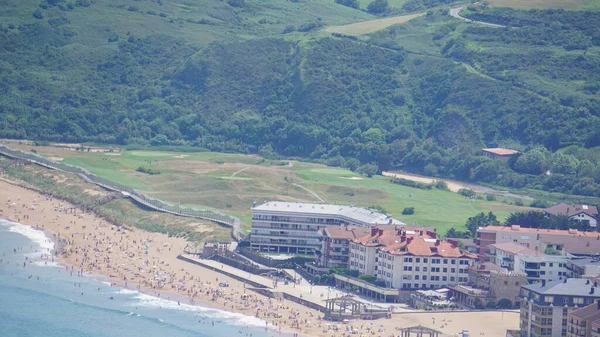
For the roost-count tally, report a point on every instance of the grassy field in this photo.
(205, 179)
(118, 210)
(371, 26)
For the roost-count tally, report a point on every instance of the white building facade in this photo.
(288, 227)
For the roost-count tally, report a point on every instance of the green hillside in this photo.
(266, 76)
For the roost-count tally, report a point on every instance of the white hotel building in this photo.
(410, 259)
(290, 227)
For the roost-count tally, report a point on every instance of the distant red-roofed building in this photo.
(575, 212)
(532, 238)
(499, 153)
(412, 258)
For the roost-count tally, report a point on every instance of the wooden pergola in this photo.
(344, 305)
(419, 331)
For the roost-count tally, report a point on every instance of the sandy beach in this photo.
(147, 262)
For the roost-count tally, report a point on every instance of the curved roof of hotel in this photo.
(350, 212)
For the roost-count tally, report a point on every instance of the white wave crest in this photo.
(37, 236)
(148, 301)
(43, 263)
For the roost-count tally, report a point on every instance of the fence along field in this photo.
(152, 203)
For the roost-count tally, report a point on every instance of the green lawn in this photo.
(440, 209)
(203, 180)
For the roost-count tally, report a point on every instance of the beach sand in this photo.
(145, 261)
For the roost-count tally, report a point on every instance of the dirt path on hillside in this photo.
(454, 185)
(371, 26)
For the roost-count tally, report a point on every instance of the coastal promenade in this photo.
(301, 291)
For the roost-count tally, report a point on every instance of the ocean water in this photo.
(42, 299)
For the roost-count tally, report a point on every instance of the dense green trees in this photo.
(348, 3)
(378, 7)
(368, 104)
(481, 220)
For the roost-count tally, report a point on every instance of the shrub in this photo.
(147, 170)
(490, 197)
(466, 192)
(348, 3)
(367, 278)
(505, 303)
(411, 183)
(537, 203)
(378, 7)
(491, 305)
(236, 3)
(408, 211)
(478, 304)
(441, 185)
(288, 29)
(519, 202)
(38, 14)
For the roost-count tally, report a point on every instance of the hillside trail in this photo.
(370, 26)
(454, 185)
(453, 12)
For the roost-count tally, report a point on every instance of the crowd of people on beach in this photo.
(135, 259)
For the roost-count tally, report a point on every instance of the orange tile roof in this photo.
(418, 246)
(500, 151)
(388, 235)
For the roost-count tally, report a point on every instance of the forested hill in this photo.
(258, 76)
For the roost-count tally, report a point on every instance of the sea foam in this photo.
(37, 236)
(148, 301)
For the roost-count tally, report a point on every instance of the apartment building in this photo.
(290, 227)
(335, 245)
(584, 322)
(584, 267)
(533, 238)
(545, 306)
(410, 258)
(420, 263)
(363, 250)
(537, 266)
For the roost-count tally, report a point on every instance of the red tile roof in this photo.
(500, 151)
(419, 246)
(388, 235)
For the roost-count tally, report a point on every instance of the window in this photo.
(578, 300)
(453, 270)
(416, 277)
(418, 260)
(549, 299)
(451, 278)
(452, 261)
(445, 261)
(424, 278)
(551, 264)
(445, 270)
(424, 269)
(444, 278)
(424, 260)
(417, 268)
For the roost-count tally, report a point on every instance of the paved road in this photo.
(454, 13)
